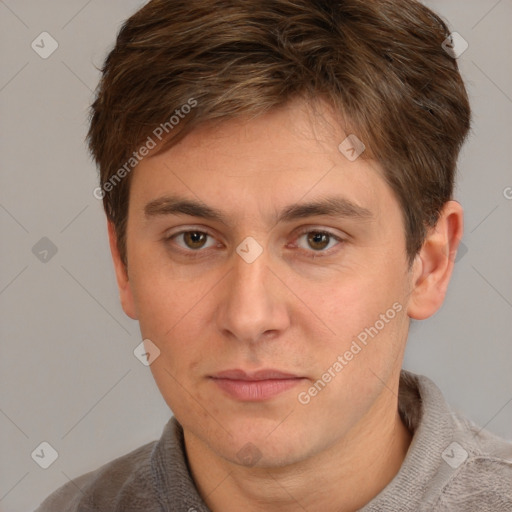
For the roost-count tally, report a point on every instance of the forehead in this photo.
(244, 167)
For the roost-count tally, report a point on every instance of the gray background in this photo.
(68, 375)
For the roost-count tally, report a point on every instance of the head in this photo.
(245, 236)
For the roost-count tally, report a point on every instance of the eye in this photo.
(318, 241)
(315, 242)
(192, 240)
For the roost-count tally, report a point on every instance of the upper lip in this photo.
(266, 374)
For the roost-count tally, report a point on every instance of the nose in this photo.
(252, 304)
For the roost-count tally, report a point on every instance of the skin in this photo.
(296, 308)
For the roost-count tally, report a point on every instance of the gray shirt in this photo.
(451, 465)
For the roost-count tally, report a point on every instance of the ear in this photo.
(123, 283)
(433, 265)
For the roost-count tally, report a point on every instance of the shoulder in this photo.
(125, 478)
(452, 464)
(481, 472)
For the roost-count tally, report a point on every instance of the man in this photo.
(278, 179)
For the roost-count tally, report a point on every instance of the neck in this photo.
(342, 479)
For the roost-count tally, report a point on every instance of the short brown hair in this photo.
(379, 63)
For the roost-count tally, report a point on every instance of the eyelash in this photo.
(190, 253)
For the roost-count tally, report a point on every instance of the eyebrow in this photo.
(334, 206)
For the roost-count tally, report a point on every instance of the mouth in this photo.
(255, 386)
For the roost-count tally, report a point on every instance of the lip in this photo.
(265, 374)
(255, 386)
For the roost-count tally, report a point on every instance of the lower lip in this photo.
(255, 390)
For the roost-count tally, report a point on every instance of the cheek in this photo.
(157, 307)
(183, 396)
(354, 302)
(353, 370)
(172, 313)
(162, 300)
(366, 316)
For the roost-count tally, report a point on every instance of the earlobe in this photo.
(433, 265)
(123, 282)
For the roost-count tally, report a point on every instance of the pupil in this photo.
(318, 241)
(195, 239)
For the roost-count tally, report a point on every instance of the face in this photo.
(271, 273)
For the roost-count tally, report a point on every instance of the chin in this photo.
(263, 445)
